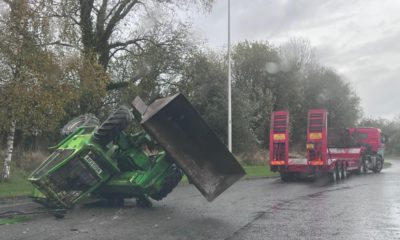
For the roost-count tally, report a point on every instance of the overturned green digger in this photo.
(102, 160)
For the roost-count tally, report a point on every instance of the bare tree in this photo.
(103, 28)
(297, 54)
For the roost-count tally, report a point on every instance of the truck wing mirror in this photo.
(384, 138)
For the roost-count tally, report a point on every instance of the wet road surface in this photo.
(360, 207)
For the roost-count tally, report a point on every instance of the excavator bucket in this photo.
(180, 130)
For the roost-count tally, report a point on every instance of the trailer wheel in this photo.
(111, 127)
(332, 176)
(338, 172)
(285, 177)
(378, 165)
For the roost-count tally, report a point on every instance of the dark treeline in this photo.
(60, 59)
(267, 78)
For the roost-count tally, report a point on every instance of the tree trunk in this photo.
(9, 152)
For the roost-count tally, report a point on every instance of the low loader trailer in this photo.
(332, 152)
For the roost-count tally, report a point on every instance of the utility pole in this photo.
(229, 80)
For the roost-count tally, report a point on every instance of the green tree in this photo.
(265, 79)
(255, 68)
(30, 83)
(204, 82)
(305, 84)
(324, 88)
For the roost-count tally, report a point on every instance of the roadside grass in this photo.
(252, 171)
(12, 220)
(17, 185)
(258, 171)
(387, 164)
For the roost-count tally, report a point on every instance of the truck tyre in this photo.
(87, 120)
(378, 165)
(174, 177)
(338, 171)
(111, 127)
(359, 169)
(344, 171)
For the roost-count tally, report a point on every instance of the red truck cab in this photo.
(371, 137)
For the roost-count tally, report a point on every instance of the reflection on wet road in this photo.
(361, 207)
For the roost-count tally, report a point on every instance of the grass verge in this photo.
(252, 171)
(12, 220)
(387, 164)
(259, 171)
(17, 185)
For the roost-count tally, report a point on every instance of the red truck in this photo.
(332, 152)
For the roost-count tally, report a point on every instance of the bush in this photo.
(29, 161)
(259, 157)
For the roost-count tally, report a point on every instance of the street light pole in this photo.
(229, 80)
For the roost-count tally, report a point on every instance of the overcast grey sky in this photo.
(360, 39)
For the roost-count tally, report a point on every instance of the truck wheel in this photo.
(88, 120)
(359, 169)
(378, 165)
(111, 127)
(344, 171)
(338, 171)
(170, 182)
